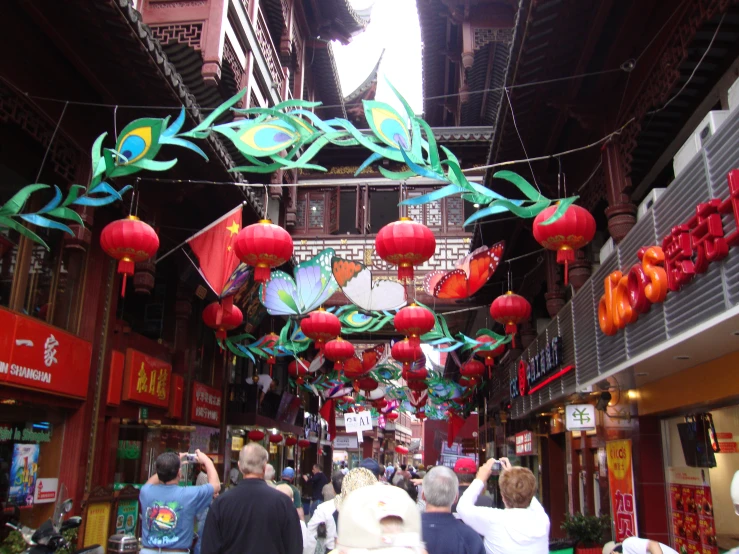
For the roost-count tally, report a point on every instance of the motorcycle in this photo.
(48, 538)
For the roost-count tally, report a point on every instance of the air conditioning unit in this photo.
(606, 250)
(707, 128)
(648, 202)
(734, 96)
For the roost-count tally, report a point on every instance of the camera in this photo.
(497, 466)
(191, 458)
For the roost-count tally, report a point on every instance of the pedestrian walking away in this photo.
(168, 511)
(288, 478)
(321, 529)
(317, 480)
(252, 517)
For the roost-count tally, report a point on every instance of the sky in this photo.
(394, 27)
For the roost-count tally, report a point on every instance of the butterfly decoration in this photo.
(468, 276)
(355, 281)
(312, 285)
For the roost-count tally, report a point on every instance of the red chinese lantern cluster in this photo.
(129, 241)
(229, 320)
(263, 246)
(297, 369)
(255, 435)
(321, 326)
(338, 351)
(572, 231)
(405, 243)
(414, 321)
(510, 309)
(405, 352)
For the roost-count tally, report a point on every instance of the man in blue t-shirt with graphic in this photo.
(167, 510)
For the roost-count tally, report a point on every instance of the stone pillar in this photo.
(621, 212)
(580, 270)
(555, 295)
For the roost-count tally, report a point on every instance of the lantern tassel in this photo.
(565, 256)
(262, 274)
(123, 286)
(405, 272)
(510, 329)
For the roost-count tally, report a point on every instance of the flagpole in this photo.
(208, 228)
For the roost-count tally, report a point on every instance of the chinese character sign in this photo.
(580, 417)
(691, 508)
(524, 443)
(146, 379)
(621, 482)
(206, 405)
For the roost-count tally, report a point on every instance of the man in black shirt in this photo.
(318, 480)
(252, 517)
(466, 469)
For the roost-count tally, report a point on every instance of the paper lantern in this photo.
(401, 450)
(414, 321)
(291, 441)
(510, 309)
(468, 382)
(416, 384)
(367, 384)
(380, 404)
(405, 243)
(297, 369)
(392, 416)
(420, 415)
(129, 241)
(405, 352)
(275, 438)
(489, 355)
(338, 351)
(321, 326)
(410, 374)
(263, 246)
(269, 342)
(303, 443)
(255, 435)
(472, 368)
(572, 231)
(229, 320)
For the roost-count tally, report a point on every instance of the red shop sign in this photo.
(686, 252)
(146, 379)
(206, 405)
(38, 356)
(524, 443)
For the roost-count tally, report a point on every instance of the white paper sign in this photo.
(358, 422)
(580, 417)
(344, 442)
(45, 490)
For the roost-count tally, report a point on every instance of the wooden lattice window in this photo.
(444, 216)
(317, 212)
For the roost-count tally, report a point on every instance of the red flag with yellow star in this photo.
(214, 248)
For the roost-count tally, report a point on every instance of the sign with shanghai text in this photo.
(38, 356)
(146, 379)
(206, 405)
(580, 417)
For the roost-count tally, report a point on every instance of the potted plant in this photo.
(587, 532)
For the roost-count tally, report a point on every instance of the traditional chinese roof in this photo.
(322, 64)
(365, 91)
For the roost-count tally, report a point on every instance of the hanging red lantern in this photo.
(263, 246)
(410, 374)
(468, 382)
(392, 416)
(380, 404)
(405, 243)
(489, 355)
(321, 326)
(297, 369)
(401, 450)
(353, 368)
(229, 320)
(572, 231)
(270, 340)
(416, 384)
(421, 415)
(472, 368)
(367, 384)
(510, 309)
(129, 241)
(303, 443)
(291, 441)
(405, 352)
(414, 321)
(255, 435)
(338, 351)
(275, 438)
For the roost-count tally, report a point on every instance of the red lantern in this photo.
(129, 241)
(572, 231)
(229, 320)
(468, 382)
(270, 340)
(414, 321)
(421, 415)
(380, 404)
(510, 309)
(367, 384)
(321, 326)
(405, 352)
(263, 246)
(416, 384)
(303, 443)
(392, 416)
(297, 369)
(410, 374)
(489, 355)
(338, 351)
(255, 435)
(472, 368)
(275, 438)
(405, 243)
(291, 441)
(401, 450)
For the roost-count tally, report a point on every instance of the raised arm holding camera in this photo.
(522, 527)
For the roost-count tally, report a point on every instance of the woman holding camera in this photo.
(522, 527)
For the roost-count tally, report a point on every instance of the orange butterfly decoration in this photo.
(468, 276)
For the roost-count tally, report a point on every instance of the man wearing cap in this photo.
(466, 469)
(372, 465)
(288, 476)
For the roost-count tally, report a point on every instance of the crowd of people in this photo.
(394, 510)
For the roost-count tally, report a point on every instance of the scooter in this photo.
(48, 538)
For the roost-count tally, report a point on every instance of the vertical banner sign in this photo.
(23, 469)
(126, 517)
(621, 483)
(206, 405)
(97, 523)
(691, 510)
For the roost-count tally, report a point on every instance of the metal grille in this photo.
(583, 314)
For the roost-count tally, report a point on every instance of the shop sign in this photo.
(687, 251)
(24, 434)
(206, 405)
(126, 517)
(580, 417)
(23, 469)
(345, 442)
(691, 510)
(97, 523)
(621, 485)
(115, 383)
(46, 490)
(356, 423)
(524, 443)
(237, 443)
(539, 371)
(146, 379)
(42, 357)
(177, 392)
(128, 450)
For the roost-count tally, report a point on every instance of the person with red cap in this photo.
(466, 469)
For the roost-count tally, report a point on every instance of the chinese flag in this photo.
(214, 248)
